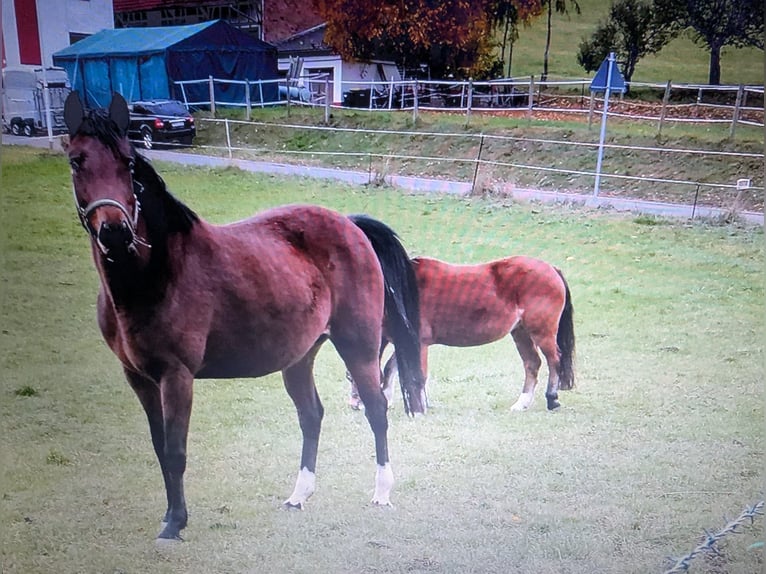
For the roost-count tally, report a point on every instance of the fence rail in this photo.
(677, 102)
(484, 165)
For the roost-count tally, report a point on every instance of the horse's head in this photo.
(106, 195)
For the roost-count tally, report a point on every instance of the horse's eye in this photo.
(75, 163)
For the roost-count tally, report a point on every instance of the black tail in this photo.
(402, 308)
(566, 341)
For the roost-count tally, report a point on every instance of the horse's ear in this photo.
(118, 111)
(73, 112)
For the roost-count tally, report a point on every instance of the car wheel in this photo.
(186, 141)
(29, 130)
(147, 138)
(15, 129)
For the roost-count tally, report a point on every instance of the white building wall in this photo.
(56, 19)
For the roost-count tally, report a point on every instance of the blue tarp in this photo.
(144, 63)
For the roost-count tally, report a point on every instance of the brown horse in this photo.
(469, 305)
(182, 299)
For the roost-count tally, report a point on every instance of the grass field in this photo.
(662, 437)
(681, 60)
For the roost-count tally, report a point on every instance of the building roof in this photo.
(307, 42)
(131, 41)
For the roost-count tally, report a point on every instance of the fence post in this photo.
(326, 99)
(228, 136)
(247, 99)
(698, 102)
(287, 85)
(260, 92)
(470, 101)
(391, 94)
(665, 99)
(531, 99)
(211, 89)
(735, 115)
(478, 162)
(183, 93)
(415, 101)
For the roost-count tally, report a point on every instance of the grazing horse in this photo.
(469, 305)
(182, 299)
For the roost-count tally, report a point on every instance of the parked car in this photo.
(158, 122)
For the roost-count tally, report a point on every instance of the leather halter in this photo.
(85, 212)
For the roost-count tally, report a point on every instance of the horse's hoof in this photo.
(554, 406)
(382, 504)
(287, 505)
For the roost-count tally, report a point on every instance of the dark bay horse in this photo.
(469, 305)
(182, 299)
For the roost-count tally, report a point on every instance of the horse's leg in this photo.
(365, 370)
(299, 382)
(148, 393)
(532, 363)
(176, 396)
(353, 398)
(550, 349)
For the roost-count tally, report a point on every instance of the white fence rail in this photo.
(488, 170)
(679, 102)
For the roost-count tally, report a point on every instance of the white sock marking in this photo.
(305, 485)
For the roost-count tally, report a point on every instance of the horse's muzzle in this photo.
(115, 237)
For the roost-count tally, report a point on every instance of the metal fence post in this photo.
(478, 163)
(211, 89)
(247, 99)
(531, 99)
(326, 99)
(228, 136)
(735, 114)
(470, 101)
(665, 100)
(415, 102)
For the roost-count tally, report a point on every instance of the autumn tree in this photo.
(450, 36)
(561, 7)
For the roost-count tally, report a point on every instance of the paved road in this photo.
(417, 184)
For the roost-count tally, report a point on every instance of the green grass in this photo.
(661, 439)
(681, 61)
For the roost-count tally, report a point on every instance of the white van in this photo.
(23, 103)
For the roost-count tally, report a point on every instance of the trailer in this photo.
(24, 110)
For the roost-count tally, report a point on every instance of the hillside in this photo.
(681, 61)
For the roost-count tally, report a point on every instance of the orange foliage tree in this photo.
(451, 36)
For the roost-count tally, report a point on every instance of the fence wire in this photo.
(708, 545)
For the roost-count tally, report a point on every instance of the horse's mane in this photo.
(162, 211)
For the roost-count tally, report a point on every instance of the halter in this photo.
(85, 212)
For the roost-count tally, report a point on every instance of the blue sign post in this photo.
(608, 79)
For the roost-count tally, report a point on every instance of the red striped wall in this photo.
(28, 31)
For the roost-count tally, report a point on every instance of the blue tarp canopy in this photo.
(144, 63)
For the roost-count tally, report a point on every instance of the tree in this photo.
(560, 6)
(719, 23)
(453, 36)
(634, 29)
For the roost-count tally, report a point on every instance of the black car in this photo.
(160, 121)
